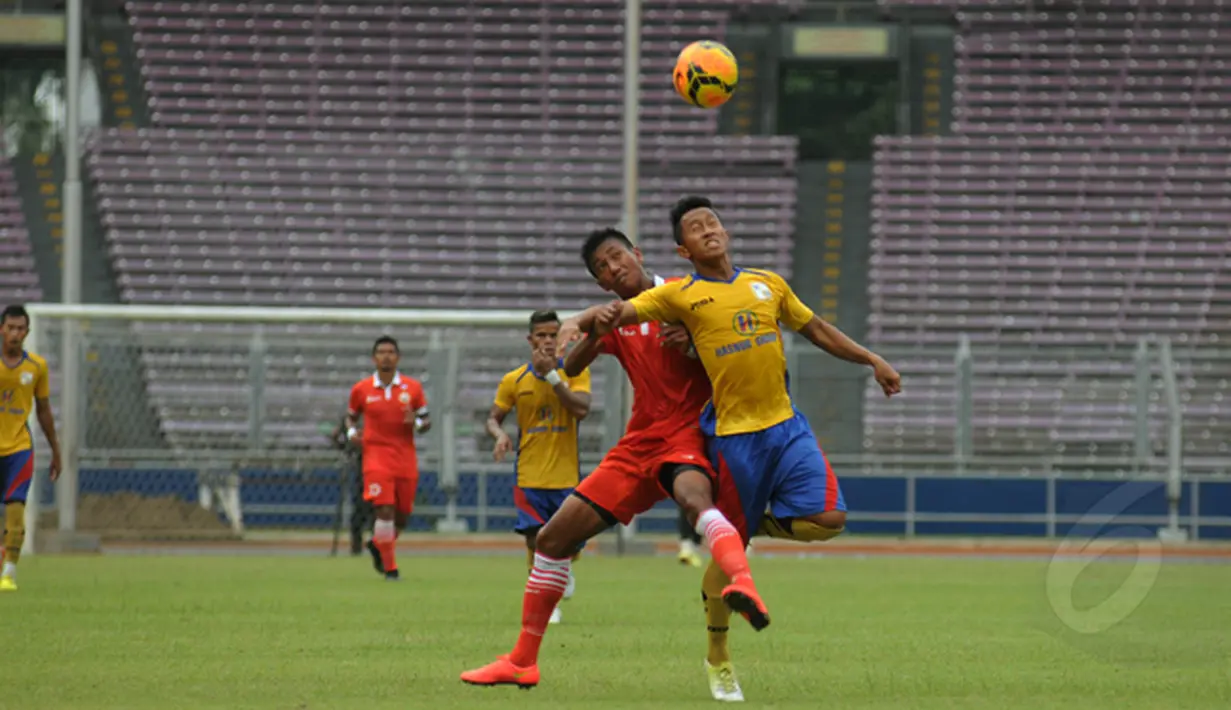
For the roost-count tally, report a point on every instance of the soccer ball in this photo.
(706, 74)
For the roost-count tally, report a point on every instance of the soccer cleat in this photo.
(8, 584)
(380, 566)
(688, 554)
(556, 617)
(392, 576)
(723, 684)
(743, 599)
(503, 672)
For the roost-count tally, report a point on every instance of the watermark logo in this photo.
(1096, 534)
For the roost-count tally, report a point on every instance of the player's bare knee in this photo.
(400, 520)
(556, 542)
(693, 492)
(694, 504)
(833, 519)
(384, 512)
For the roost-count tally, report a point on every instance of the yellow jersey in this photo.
(19, 387)
(546, 431)
(734, 327)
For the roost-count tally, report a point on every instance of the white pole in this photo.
(632, 113)
(632, 110)
(35, 497)
(70, 382)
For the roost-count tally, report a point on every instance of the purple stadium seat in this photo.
(18, 281)
(1081, 201)
(411, 154)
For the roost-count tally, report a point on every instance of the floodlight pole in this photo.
(71, 381)
(632, 112)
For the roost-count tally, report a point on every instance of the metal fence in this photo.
(236, 415)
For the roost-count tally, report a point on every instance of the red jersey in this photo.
(669, 388)
(388, 439)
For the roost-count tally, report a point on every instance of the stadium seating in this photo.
(442, 154)
(1081, 203)
(18, 280)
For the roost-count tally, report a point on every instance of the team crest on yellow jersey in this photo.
(745, 323)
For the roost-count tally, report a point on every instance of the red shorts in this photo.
(382, 486)
(626, 482)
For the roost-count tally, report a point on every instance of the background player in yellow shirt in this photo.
(549, 405)
(24, 384)
(755, 434)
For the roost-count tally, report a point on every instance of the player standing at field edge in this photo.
(394, 409)
(550, 405)
(24, 383)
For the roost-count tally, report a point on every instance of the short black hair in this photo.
(596, 239)
(682, 207)
(386, 339)
(543, 317)
(15, 311)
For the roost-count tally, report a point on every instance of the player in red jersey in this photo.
(394, 409)
(661, 455)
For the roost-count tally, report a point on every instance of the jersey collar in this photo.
(24, 356)
(699, 277)
(397, 380)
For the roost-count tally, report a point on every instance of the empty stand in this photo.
(1082, 203)
(18, 279)
(444, 154)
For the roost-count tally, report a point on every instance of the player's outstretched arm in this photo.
(47, 422)
(614, 315)
(581, 356)
(572, 328)
(827, 337)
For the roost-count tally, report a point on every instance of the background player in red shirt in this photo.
(394, 409)
(662, 454)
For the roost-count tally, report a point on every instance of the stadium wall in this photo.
(899, 506)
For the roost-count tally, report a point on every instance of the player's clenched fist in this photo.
(543, 359)
(608, 317)
(887, 377)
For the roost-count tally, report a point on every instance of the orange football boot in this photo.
(502, 672)
(743, 599)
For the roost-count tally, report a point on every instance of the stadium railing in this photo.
(197, 421)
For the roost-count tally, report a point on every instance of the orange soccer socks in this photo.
(384, 536)
(726, 547)
(544, 589)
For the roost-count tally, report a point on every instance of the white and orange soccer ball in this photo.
(706, 74)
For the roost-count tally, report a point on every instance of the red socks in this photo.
(544, 589)
(384, 536)
(726, 546)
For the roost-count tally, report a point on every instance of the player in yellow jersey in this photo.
(549, 405)
(24, 385)
(786, 485)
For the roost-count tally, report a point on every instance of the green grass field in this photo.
(297, 633)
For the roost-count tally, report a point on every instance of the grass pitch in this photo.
(300, 634)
